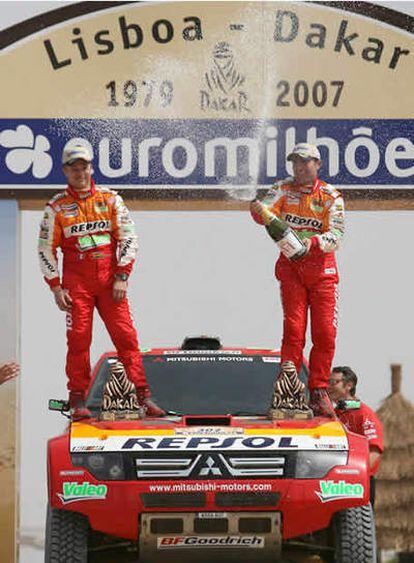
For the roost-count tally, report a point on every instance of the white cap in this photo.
(306, 151)
(75, 152)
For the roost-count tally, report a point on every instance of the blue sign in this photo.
(207, 153)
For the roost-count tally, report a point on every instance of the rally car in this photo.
(214, 478)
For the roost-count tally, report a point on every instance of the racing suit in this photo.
(311, 283)
(365, 422)
(97, 238)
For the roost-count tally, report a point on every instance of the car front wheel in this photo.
(66, 537)
(355, 540)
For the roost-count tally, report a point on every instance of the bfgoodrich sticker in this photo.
(331, 490)
(210, 541)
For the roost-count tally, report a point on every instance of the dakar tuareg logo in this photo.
(224, 83)
(119, 394)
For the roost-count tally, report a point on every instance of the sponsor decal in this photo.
(331, 446)
(224, 92)
(211, 359)
(201, 352)
(330, 271)
(171, 542)
(368, 155)
(69, 320)
(209, 431)
(347, 471)
(101, 207)
(271, 359)
(316, 206)
(303, 221)
(87, 448)
(71, 472)
(69, 209)
(46, 262)
(69, 206)
(74, 492)
(331, 490)
(210, 443)
(93, 241)
(90, 227)
(212, 487)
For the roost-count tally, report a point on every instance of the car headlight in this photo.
(316, 464)
(103, 466)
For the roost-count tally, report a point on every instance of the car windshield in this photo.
(204, 382)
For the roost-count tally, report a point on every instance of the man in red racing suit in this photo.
(96, 235)
(315, 210)
(357, 417)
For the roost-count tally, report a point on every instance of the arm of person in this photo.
(127, 243)
(48, 243)
(329, 241)
(374, 456)
(273, 200)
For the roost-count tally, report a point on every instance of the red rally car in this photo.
(215, 478)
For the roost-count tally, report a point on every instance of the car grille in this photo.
(209, 465)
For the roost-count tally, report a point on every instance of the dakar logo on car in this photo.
(73, 492)
(331, 490)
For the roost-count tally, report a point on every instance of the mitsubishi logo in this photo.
(210, 467)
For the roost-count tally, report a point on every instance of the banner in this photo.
(200, 95)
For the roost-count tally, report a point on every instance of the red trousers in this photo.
(90, 283)
(309, 284)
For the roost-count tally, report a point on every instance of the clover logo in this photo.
(26, 150)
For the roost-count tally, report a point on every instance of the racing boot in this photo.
(320, 403)
(144, 401)
(78, 410)
(289, 400)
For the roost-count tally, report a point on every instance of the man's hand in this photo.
(119, 290)
(62, 298)
(374, 456)
(307, 242)
(256, 207)
(9, 371)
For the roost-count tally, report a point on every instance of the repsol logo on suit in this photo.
(303, 221)
(89, 227)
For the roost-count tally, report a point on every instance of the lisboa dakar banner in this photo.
(202, 96)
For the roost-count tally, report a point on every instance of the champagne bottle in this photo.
(287, 240)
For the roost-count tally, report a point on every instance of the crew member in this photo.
(357, 416)
(93, 229)
(315, 210)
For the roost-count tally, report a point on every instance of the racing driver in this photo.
(315, 211)
(93, 229)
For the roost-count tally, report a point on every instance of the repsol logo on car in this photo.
(303, 221)
(129, 34)
(207, 443)
(89, 227)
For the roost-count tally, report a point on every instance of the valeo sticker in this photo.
(331, 490)
(73, 491)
